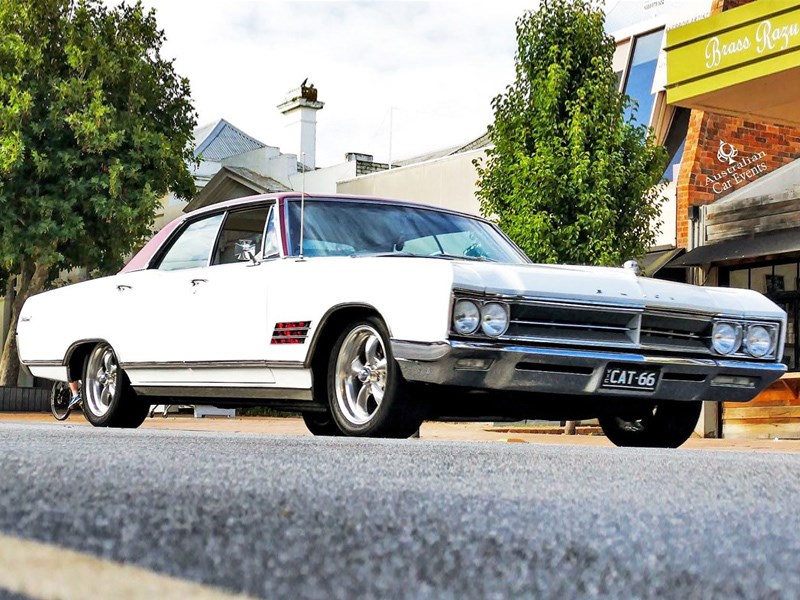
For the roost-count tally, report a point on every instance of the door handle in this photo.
(196, 282)
(123, 288)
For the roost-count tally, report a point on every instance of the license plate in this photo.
(630, 378)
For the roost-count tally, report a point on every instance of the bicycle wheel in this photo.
(59, 400)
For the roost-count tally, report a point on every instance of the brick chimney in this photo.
(300, 107)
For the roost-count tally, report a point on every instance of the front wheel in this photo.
(663, 425)
(108, 400)
(367, 393)
(319, 423)
(60, 397)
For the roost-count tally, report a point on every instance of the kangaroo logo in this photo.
(727, 152)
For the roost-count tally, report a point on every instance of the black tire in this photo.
(321, 423)
(60, 397)
(386, 408)
(108, 399)
(663, 425)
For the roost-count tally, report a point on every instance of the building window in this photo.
(639, 83)
(676, 141)
(779, 282)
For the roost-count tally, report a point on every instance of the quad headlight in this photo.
(466, 317)
(759, 340)
(492, 318)
(726, 337)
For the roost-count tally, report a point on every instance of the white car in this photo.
(393, 313)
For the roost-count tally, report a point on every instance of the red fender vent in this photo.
(294, 332)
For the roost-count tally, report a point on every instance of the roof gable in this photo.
(218, 141)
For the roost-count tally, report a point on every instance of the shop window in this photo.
(759, 278)
(778, 281)
(639, 83)
(740, 279)
(785, 278)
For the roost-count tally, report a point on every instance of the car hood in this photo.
(605, 285)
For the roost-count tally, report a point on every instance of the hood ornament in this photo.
(633, 265)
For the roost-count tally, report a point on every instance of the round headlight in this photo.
(494, 319)
(726, 337)
(466, 317)
(758, 341)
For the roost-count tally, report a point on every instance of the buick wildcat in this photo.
(369, 316)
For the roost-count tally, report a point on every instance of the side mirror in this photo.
(245, 250)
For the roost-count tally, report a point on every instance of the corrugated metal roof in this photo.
(221, 140)
(480, 142)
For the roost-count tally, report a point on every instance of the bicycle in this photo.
(60, 398)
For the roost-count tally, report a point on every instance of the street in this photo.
(304, 517)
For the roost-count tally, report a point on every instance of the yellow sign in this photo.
(733, 46)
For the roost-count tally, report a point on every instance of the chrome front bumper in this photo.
(558, 371)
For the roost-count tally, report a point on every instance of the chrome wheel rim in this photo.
(361, 372)
(100, 386)
(637, 425)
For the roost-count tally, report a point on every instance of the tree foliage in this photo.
(95, 127)
(567, 176)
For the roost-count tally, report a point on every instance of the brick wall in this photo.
(725, 153)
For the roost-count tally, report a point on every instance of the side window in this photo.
(193, 247)
(241, 236)
(272, 245)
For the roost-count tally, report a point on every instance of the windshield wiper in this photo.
(462, 257)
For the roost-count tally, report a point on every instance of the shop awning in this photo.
(768, 244)
(654, 261)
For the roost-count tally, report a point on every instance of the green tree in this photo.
(95, 127)
(567, 177)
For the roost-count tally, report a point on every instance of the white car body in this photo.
(251, 331)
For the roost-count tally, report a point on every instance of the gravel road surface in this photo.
(303, 517)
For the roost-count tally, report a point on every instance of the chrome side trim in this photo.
(213, 364)
(43, 363)
(211, 391)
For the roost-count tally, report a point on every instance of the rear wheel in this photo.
(366, 391)
(662, 425)
(108, 400)
(60, 397)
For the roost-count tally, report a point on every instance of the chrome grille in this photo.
(573, 324)
(676, 332)
(609, 325)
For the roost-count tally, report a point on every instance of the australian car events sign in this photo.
(736, 169)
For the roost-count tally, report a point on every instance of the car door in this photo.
(226, 310)
(158, 327)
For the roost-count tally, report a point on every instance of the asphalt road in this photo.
(291, 517)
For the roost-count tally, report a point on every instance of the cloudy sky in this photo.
(434, 66)
(430, 69)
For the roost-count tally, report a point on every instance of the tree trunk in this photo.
(30, 280)
(571, 427)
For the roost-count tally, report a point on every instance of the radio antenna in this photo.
(302, 203)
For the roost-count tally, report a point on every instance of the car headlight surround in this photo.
(466, 317)
(494, 318)
(726, 337)
(759, 340)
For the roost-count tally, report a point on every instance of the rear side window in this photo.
(192, 248)
(242, 234)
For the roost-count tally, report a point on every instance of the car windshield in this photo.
(352, 227)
